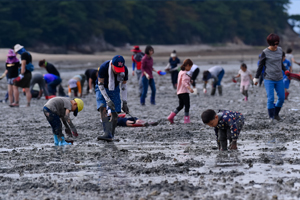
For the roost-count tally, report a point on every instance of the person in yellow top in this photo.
(76, 84)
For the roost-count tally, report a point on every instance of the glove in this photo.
(147, 76)
(75, 134)
(125, 107)
(111, 105)
(90, 91)
(287, 72)
(19, 78)
(255, 81)
(233, 79)
(69, 94)
(79, 94)
(204, 91)
(233, 145)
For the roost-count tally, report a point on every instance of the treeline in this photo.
(67, 23)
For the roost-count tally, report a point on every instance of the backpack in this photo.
(30, 67)
(138, 57)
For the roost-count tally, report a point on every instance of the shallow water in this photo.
(163, 162)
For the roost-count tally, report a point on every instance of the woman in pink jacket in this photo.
(183, 90)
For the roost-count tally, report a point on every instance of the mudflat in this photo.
(178, 161)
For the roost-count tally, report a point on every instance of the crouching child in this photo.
(57, 109)
(227, 124)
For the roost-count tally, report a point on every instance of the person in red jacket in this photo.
(137, 63)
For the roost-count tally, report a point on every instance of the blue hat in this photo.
(118, 63)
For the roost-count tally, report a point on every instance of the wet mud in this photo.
(179, 161)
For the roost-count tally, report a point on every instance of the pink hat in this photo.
(11, 53)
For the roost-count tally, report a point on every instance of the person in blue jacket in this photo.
(286, 80)
(52, 82)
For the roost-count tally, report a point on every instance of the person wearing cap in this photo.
(23, 80)
(111, 73)
(137, 62)
(147, 77)
(172, 68)
(76, 84)
(12, 71)
(57, 109)
(38, 86)
(51, 69)
(91, 78)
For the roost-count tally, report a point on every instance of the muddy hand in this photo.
(111, 105)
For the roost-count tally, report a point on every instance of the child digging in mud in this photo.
(183, 89)
(227, 124)
(59, 108)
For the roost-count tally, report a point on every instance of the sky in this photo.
(294, 7)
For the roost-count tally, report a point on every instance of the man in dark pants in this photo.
(110, 74)
(91, 77)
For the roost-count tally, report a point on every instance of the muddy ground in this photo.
(176, 161)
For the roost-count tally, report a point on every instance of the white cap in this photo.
(173, 55)
(73, 83)
(18, 47)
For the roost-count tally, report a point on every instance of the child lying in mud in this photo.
(59, 108)
(133, 122)
(227, 124)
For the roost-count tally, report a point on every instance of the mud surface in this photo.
(176, 161)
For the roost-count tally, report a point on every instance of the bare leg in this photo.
(16, 94)
(28, 96)
(10, 94)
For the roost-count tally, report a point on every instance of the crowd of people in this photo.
(109, 83)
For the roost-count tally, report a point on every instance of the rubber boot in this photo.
(220, 90)
(142, 101)
(123, 115)
(223, 144)
(114, 121)
(213, 91)
(276, 116)
(140, 124)
(222, 138)
(152, 100)
(271, 114)
(55, 140)
(62, 142)
(187, 119)
(107, 127)
(171, 117)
